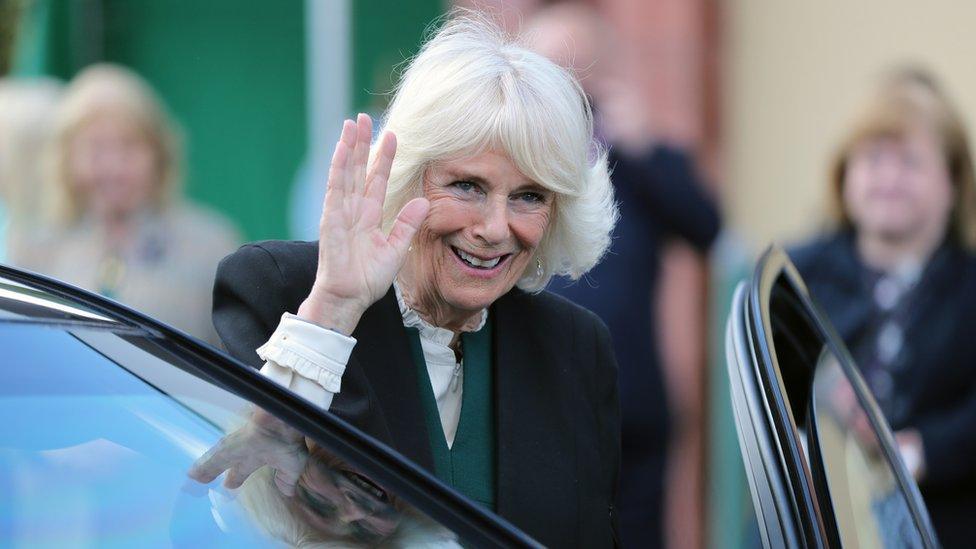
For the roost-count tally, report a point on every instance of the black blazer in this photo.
(556, 404)
(935, 382)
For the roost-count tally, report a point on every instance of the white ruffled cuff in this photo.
(306, 358)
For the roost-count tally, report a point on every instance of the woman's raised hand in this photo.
(357, 260)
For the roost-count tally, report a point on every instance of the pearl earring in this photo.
(538, 268)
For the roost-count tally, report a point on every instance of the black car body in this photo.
(103, 411)
(822, 463)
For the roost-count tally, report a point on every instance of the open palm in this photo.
(357, 259)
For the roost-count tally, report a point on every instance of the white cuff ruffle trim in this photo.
(310, 351)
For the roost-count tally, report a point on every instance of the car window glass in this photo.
(841, 444)
(98, 434)
(869, 506)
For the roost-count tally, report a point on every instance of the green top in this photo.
(469, 464)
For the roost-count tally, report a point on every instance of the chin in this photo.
(473, 300)
(471, 303)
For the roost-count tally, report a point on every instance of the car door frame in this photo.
(784, 489)
(474, 525)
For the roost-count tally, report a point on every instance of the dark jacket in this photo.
(935, 379)
(556, 404)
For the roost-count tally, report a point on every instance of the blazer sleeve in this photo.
(249, 298)
(608, 408)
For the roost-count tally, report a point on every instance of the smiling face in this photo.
(897, 188)
(485, 222)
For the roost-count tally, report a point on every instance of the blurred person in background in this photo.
(898, 280)
(660, 196)
(120, 226)
(26, 113)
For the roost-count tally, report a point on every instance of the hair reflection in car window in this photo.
(335, 504)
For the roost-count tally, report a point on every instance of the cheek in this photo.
(939, 196)
(142, 168)
(447, 215)
(859, 203)
(529, 228)
(81, 167)
(854, 187)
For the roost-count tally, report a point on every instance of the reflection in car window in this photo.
(869, 506)
(98, 432)
(22, 302)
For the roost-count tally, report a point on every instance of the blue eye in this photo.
(465, 186)
(532, 198)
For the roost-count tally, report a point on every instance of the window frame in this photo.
(473, 524)
(794, 479)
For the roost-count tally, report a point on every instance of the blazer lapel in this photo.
(536, 442)
(379, 389)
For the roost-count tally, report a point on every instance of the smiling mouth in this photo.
(477, 263)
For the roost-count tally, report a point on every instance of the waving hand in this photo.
(357, 259)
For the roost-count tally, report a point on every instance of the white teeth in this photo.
(485, 264)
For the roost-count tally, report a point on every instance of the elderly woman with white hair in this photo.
(423, 295)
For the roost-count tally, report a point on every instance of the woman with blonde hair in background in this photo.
(898, 280)
(121, 227)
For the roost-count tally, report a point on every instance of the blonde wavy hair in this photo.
(111, 90)
(473, 88)
(910, 96)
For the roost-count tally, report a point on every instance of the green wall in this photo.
(234, 73)
(231, 72)
(385, 33)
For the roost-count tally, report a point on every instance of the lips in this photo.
(480, 263)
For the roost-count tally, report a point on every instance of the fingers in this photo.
(360, 156)
(235, 478)
(243, 469)
(212, 464)
(409, 219)
(339, 184)
(379, 175)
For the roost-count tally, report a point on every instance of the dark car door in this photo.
(104, 412)
(822, 464)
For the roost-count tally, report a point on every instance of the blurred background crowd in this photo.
(143, 140)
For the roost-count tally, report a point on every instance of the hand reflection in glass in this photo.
(315, 495)
(263, 440)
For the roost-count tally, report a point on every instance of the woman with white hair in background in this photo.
(423, 296)
(120, 227)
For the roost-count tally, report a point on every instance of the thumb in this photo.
(407, 223)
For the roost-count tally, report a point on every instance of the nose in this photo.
(493, 226)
